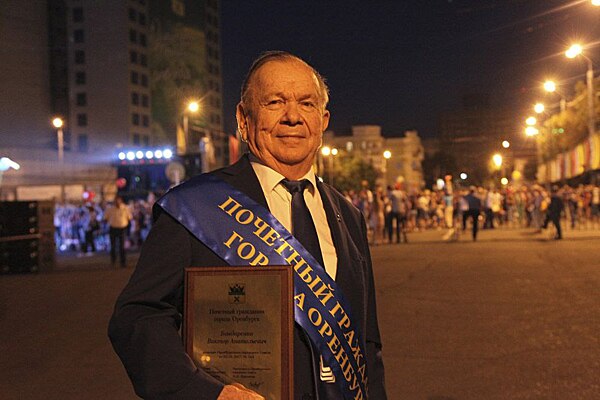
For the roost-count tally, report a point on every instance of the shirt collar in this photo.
(269, 178)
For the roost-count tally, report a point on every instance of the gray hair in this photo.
(278, 55)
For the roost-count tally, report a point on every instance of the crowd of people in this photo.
(390, 213)
(86, 227)
(393, 212)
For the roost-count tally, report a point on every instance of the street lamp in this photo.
(572, 52)
(386, 156)
(58, 124)
(505, 144)
(550, 87)
(182, 142)
(539, 107)
(329, 152)
(531, 131)
(497, 160)
(531, 121)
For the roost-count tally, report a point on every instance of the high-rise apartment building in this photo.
(118, 72)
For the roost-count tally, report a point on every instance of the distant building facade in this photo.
(93, 64)
(367, 142)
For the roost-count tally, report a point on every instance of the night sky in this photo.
(399, 64)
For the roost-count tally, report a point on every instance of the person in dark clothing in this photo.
(554, 211)
(474, 210)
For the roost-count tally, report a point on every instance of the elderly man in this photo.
(282, 115)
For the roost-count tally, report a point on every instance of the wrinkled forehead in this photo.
(281, 75)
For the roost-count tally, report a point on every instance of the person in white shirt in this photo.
(118, 217)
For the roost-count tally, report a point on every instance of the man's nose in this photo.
(292, 114)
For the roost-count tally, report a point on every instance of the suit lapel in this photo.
(347, 253)
(241, 176)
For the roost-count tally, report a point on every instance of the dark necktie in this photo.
(303, 226)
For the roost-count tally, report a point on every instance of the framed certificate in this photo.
(238, 326)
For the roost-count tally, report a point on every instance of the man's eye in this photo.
(274, 104)
(308, 105)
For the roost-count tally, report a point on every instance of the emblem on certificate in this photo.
(238, 326)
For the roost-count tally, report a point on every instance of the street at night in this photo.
(514, 315)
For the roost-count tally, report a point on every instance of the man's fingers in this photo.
(238, 392)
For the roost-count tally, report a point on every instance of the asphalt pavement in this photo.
(514, 315)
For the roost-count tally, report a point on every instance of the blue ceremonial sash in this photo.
(242, 232)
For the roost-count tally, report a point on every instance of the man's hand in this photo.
(238, 392)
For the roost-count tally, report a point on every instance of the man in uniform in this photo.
(282, 115)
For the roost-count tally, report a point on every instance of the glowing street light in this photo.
(497, 160)
(539, 107)
(550, 86)
(193, 106)
(504, 181)
(505, 144)
(531, 131)
(531, 121)
(326, 151)
(387, 154)
(574, 51)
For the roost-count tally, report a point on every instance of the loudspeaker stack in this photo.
(27, 237)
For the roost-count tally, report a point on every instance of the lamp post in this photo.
(330, 153)
(574, 51)
(58, 124)
(182, 142)
(386, 156)
(550, 87)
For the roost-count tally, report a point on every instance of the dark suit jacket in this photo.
(148, 313)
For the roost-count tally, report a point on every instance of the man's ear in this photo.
(325, 119)
(242, 123)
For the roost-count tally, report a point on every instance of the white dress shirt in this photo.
(279, 201)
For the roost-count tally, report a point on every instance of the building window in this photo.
(81, 99)
(77, 14)
(145, 140)
(143, 39)
(133, 57)
(82, 143)
(132, 15)
(145, 120)
(78, 36)
(142, 19)
(79, 57)
(135, 98)
(132, 36)
(144, 80)
(145, 102)
(134, 77)
(136, 139)
(80, 78)
(135, 119)
(143, 60)
(82, 120)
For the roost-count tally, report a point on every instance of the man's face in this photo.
(285, 119)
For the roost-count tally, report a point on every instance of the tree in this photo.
(349, 171)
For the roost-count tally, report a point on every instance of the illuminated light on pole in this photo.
(326, 150)
(504, 181)
(531, 131)
(497, 159)
(463, 176)
(505, 144)
(574, 51)
(539, 107)
(334, 151)
(531, 121)
(387, 154)
(550, 86)
(193, 106)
